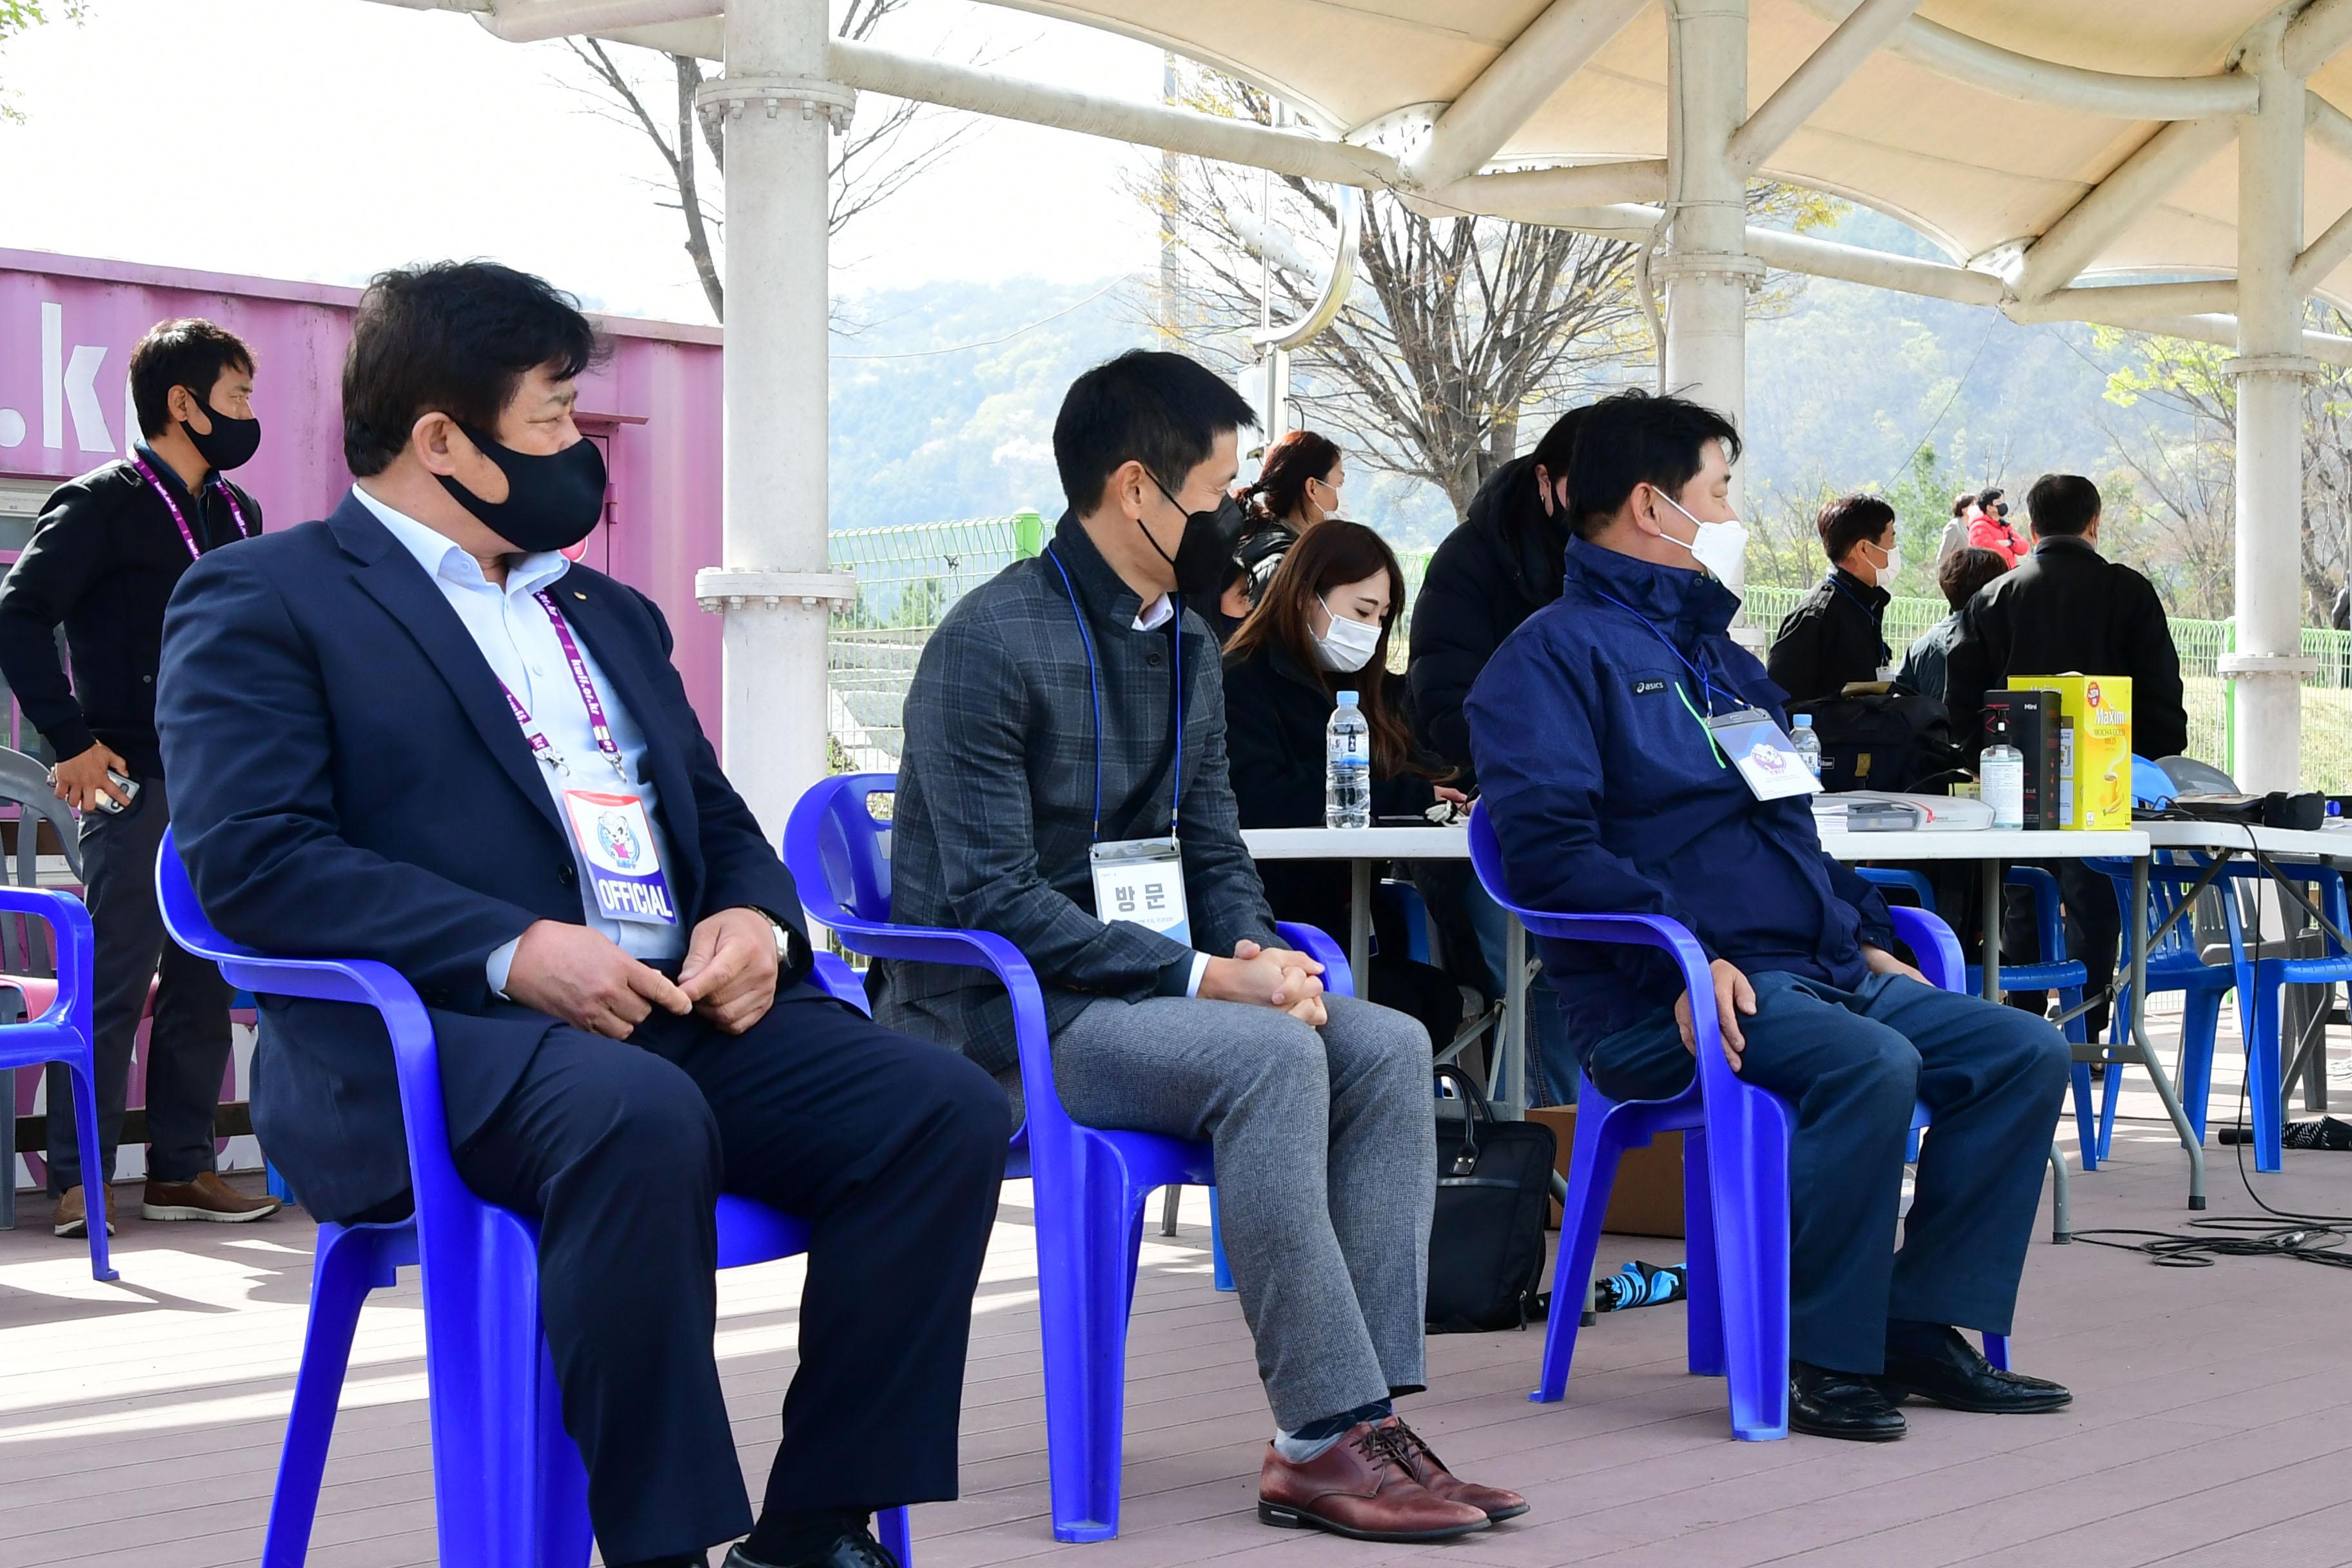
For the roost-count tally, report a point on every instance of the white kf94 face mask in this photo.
(1719, 547)
(1349, 646)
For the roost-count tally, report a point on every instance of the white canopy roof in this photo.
(1958, 125)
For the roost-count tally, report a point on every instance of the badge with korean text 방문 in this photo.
(624, 866)
(1757, 745)
(1142, 881)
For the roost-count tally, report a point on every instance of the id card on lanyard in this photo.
(1746, 739)
(1142, 881)
(611, 830)
(1139, 880)
(1767, 759)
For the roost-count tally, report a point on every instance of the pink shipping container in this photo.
(67, 328)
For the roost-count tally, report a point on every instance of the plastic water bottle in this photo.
(1808, 744)
(1347, 766)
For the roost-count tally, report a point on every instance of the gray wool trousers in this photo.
(1326, 1170)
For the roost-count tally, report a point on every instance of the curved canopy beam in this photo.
(2010, 75)
(1550, 50)
(1336, 285)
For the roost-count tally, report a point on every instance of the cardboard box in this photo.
(2095, 711)
(1648, 1197)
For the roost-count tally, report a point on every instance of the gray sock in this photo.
(1317, 1438)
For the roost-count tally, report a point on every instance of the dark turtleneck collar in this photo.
(170, 475)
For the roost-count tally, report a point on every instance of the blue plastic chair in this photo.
(62, 1033)
(1734, 1170)
(2262, 1005)
(2175, 963)
(509, 1487)
(1090, 1183)
(2051, 971)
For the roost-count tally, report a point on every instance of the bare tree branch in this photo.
(873, 162)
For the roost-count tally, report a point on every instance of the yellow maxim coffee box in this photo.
(2095, 747)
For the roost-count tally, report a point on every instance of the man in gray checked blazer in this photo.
(1038, 727)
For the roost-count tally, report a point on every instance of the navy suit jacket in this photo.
(348, 782)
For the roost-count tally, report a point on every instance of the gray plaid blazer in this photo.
(996, 805)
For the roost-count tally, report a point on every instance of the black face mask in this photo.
(553, 502)
(230, 444)
(1206, 547)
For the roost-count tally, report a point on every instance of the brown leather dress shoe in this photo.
(207, 1197)
(1359, 1488)
(1429, 1470)
(72, 1218)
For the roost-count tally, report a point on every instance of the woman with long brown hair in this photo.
(1322, 628)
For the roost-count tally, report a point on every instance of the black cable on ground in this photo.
(2301, 1238)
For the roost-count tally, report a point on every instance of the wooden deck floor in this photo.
(140, 1422)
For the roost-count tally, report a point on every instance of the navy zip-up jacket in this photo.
(1608, 796)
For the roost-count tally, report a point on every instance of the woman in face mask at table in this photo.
(1322, 628)
(1836, 634)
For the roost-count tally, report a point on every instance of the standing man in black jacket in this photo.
(1501, 566)
(109, 549)
(2068, 608)
(1837, 634)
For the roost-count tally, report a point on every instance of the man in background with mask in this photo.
(1064, 785)
(109, 548)
(415, 733)
(1836, 634)
(1617, 734)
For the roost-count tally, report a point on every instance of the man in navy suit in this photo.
(413, 732)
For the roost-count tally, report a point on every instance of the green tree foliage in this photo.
(2183, 468)
(925, 600)
(21, 16)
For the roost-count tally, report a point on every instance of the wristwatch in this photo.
(786, 939)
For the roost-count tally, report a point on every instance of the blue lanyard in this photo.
(1094, 685)
(1706, 686)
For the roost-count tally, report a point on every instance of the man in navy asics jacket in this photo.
(1610, 793)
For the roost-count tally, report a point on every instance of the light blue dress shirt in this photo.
(520, 645)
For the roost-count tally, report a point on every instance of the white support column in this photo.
(2268, 666)
(1707, 272)
(775, 588)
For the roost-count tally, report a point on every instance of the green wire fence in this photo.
(908, 577)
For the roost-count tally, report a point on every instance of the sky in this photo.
(328, 138)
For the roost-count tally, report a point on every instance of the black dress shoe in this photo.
(1844, 1404)
(854, 1549)
(1943, 1368)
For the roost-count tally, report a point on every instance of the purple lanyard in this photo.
(186, 534)
(541, 746)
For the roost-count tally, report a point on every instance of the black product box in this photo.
(2035, 726)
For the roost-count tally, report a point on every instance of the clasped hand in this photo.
(1268, 977)
(583, 977)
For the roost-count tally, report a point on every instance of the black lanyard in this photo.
(1876, 613)
(1094, 685)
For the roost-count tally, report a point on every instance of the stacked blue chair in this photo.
(61, 1034)
(1734, 1170)
(1090, 1183)
(508, 1488)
